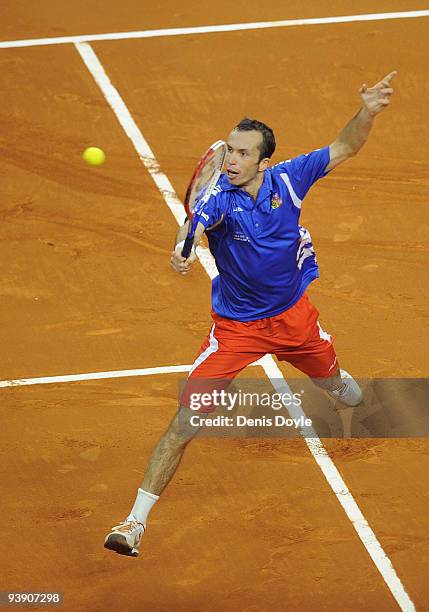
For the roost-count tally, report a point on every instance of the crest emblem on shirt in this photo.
(276, 201)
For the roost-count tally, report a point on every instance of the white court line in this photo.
(343, 494)
(141, 145)
(52, 380)
(49, 380)
(338, 486)
(230, 27)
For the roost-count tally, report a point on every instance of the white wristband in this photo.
(179, 246)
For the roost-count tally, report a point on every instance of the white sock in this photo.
(142, 506)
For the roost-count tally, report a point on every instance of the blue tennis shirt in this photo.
(265, 258)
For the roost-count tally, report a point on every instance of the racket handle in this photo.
(187, 247)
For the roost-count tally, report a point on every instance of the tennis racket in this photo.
(201, 186)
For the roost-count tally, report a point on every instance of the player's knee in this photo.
(183, 429)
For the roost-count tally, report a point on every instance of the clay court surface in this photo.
(247, 524)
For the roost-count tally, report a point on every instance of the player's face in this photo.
(242, 159)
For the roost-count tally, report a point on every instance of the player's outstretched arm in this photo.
(354, 135)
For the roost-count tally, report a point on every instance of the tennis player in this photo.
(265, 260)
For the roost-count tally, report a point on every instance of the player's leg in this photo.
(164, 460)
(167, 454)
(316, 356)
(218, 362)
(324, 369)
(340, 386)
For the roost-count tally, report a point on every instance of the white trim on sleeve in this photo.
(295, 199)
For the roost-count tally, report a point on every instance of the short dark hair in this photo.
(268, 140)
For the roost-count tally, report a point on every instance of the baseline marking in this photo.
(315, 445)
(231, 27)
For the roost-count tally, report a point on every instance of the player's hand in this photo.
(376, 98)
(179, 263)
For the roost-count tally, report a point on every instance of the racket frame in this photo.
(211, 151)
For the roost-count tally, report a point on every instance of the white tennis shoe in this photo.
(125, 538)
(349, 393)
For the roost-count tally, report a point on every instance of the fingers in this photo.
(389, 77)
(385, 83)
(387, 91)
(381, 89)
(180, 264)
(377, 97)
(181, 268)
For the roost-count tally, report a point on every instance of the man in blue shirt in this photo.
(264, 257)
(265, 261)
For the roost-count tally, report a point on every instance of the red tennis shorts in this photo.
(294, 336)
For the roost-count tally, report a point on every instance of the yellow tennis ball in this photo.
(94, 156)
